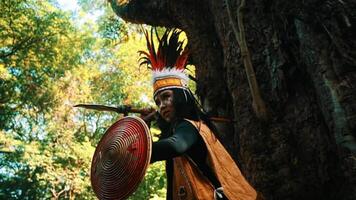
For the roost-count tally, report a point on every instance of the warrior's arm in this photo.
(184, 137)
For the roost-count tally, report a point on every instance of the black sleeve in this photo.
(183, 138)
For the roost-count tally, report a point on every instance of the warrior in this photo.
(197, 164)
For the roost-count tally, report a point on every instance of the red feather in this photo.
(169, 53)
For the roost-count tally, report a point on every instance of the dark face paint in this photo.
(164, 102)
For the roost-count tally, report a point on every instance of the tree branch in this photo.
(156, 12)
(257, 102)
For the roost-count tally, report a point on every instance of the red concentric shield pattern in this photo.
(121, 159)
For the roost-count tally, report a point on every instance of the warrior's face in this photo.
(164, 102)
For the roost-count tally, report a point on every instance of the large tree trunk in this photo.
(303, 55)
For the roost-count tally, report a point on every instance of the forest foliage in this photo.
(50, 60)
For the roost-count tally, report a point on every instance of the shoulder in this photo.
(185, 125)
(197, 124)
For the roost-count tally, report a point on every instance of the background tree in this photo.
(285, 71)
(50, 60)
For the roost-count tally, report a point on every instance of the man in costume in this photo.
(197, 165)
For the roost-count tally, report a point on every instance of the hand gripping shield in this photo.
(121, 159)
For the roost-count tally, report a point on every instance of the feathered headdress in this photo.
(167, 62)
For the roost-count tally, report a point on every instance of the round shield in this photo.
(121, 159)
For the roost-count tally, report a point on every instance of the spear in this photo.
(150, 112)
(119, 109)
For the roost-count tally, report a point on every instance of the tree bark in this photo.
(304, 59)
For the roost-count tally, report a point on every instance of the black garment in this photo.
(182, 139)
